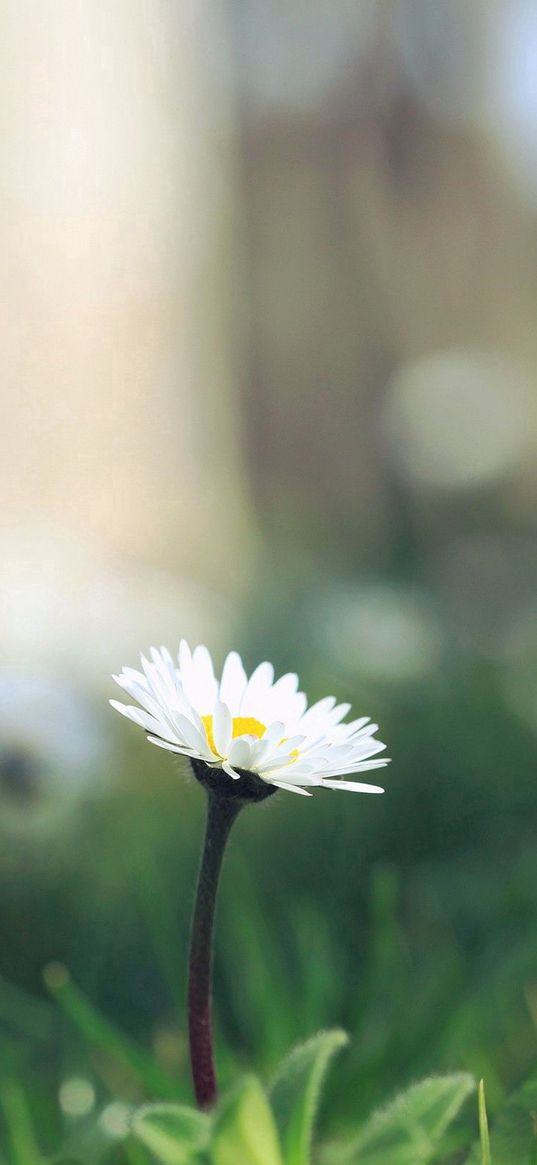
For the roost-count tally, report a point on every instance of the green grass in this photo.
(409, 921)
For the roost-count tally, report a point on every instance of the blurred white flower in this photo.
(51, 745)
(115, 1120)
(381, 631)
(76, 1096)
(458, 419)
(253, 725)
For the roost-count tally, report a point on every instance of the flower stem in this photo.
(221, 813)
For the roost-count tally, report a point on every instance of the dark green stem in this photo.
(221, 814)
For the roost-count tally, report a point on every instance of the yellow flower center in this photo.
(241, 726)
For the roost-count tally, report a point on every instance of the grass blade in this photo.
(483, 1125)
(100, 1032)
(24, 1150)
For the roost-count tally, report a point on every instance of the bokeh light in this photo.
(456, 420)
(76, 1096)
(382, 633)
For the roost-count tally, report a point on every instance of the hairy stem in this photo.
(221, 814)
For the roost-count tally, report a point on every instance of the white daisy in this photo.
(248, 725)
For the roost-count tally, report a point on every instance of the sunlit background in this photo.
(269, 336)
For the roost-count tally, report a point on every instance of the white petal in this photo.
(314, 716)
(184, 655)
(230, 772)
(353, 767)
(256, 690)
(168, 746)
(281, 700)
(240, 752)
(304, 776)
(195, 718)
(165, 673)
(160, 709)
(316, 746)
(151, 704)
(125, 709)
(297, 706)
(290, 788)
(143, 719)
(134, 684)
(221, 728)
(197, 677)
(153, 675)
(193, 737)
(351, 786)
(206, 685)
(325, 721)
(282, 753)
(338, 713)
(166, 658)
(129, 678)
(274, 732)
(264, 746)
(233, 682)
(355, 729)
(154, 684)
(367, 748)
(186, 670)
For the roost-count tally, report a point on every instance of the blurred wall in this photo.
(120, 471)
(388, 155)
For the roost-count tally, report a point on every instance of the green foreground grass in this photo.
(410, 922)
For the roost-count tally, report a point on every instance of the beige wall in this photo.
(119, 450)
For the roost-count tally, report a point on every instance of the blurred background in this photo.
(268, 315)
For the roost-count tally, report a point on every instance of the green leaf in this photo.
(173, 1132)
(245, 1132)
(483, 1126)
(513, 1139)
(296, 1091)
(410, 1130)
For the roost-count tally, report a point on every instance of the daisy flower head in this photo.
(247, 736)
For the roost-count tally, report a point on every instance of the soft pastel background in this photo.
(269, 349)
